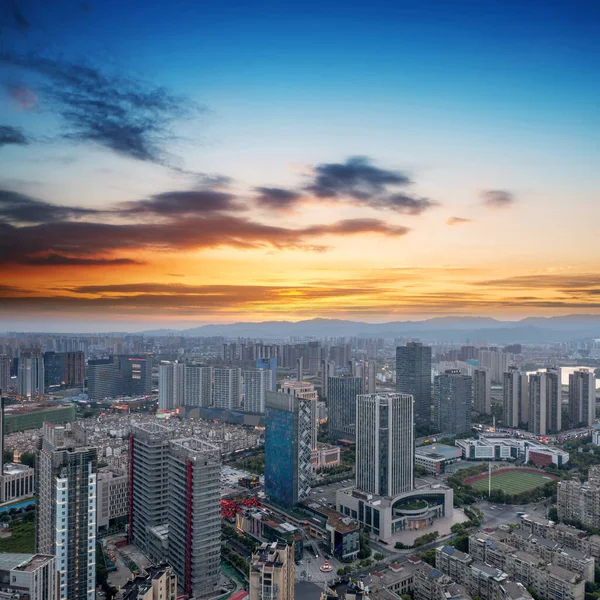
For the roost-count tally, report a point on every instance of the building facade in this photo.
(413, 376)
(453, 399)
(272, 572)
(384, 443)
(515, 394)
(582, 398)
(545, 407)
(193, 515)
(341, 403)
(66, 511)
(288, 446)
(482, 391)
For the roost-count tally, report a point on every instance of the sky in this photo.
(169, 164)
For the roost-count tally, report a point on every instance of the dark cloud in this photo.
(183, 203)
(497, 198)
(88, 240)
(457, 221)
(12, 136)
(123, 114)
(356, 178)
(20, 208)
(277, 198)
(60, 260)
(361, 183)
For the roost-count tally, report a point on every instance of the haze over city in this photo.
(168, 165)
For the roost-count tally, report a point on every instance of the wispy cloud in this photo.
(121, 113)
(497, 198)
(457, 221)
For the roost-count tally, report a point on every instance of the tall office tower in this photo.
(582, 398)
(198, 385)
(314, 357)
(482, 391)
(194, 515)
(171, 385)
(497, 362)
(66, 511)
(299, 368)
(102, 379)
(54, 369)
(31, 375)
(306, 391)
(256, 385)
(288, 433)
(227, 390)
(384, 443)
(341, 406)
(413, 376)
(272, 572)
(135, 375)
(545, 401)
(453, 399)
(327, 371)
(269, 363)
(5, 382)
(148, 481)
(74, 368)
(516, 397)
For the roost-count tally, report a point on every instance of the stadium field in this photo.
(512, 481)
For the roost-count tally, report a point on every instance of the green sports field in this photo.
(513, 482)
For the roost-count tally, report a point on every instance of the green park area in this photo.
(513, 482)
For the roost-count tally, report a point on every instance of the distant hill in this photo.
(528, 330)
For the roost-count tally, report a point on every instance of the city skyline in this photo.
(183, 164)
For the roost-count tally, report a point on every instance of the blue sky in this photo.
(463, 97)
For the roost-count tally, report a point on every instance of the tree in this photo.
(28, 458)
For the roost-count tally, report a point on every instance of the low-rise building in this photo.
(155, 583)
(16, 482)
(384, 516)
(435, 457)
(28, 577)
(113, 496)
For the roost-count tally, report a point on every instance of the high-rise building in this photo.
(582, 398)
(171, 385)
(288, 445)
(482, 391)
(545, 402)
(306, 391)
(102, 378)
(66, 511)
(27, 577)
(413, 376)
(198, 385)
(227, 390)
(257, 383)
(453, 399)
(5, 381)
(31, 375)
(175, 504)
(272, 572)
(515, 397)
(149, 486)
(269, 364)
(135, 375)
(384, 443)
(341, 404)
(193, 515)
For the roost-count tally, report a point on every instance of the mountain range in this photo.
(460, 329)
